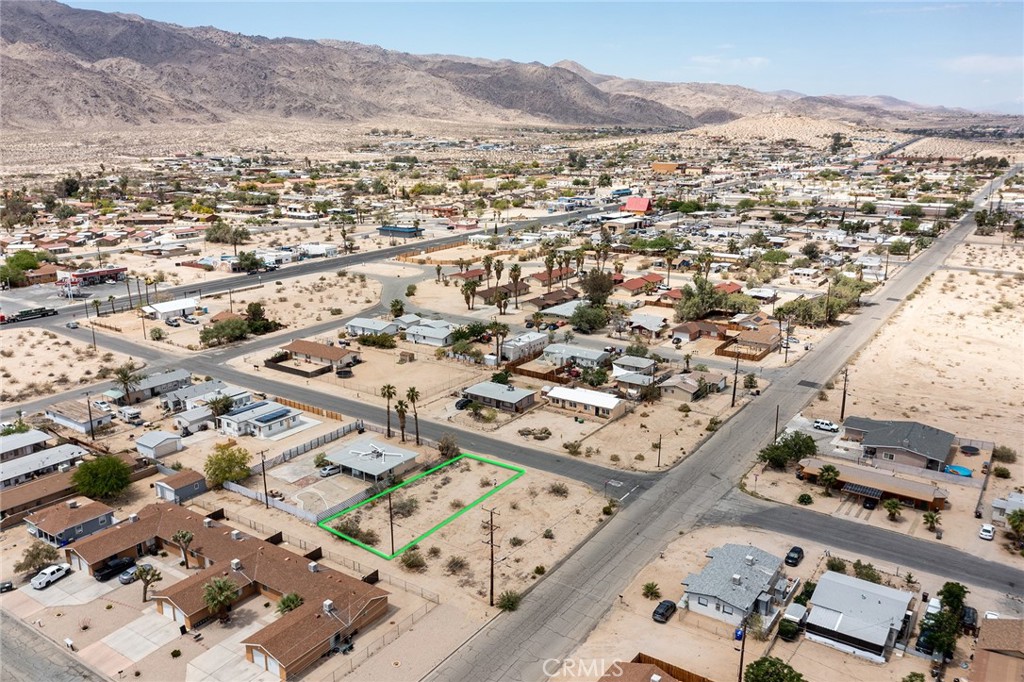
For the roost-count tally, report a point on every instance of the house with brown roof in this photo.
(181, 486)
(491, 294)
(475, 275)
(729, 287)
(999, 653)
(691, 331)
(224, 315)
(557, 275)
(44, 274)
(766, 338)
(311, 351)
(68, 521)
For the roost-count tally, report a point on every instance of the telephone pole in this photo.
(659, 450)
(775, 436)
(735, 374)
(846, 381)
(490, 542)
(266, 495)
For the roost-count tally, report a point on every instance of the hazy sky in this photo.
(968, 54)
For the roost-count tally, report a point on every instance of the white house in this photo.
(20, 444)
(16, 471)
(559, 354)
(1003, 507)
(523, 345)
(318, 250)
(157, 444)
(431, 332)
(168, 309)
(194, 420)
(585, 401)
(358, 326)
(740, 580)
(262, 419)
(74, 414)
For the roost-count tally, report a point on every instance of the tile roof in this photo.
(59, 517)
(635, 672)
(40, 488)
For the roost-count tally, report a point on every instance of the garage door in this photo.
(259, 658)
(273, 666)
(176, 615)
(76, 562)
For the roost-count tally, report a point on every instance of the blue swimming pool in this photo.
(958, 470)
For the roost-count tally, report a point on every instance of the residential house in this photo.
(627, 364)
(1003, 507)
(868, 482)
(632, 384)
(63, 523)
(560, 354)
(17, 445)
(649, 326)
(857, 616)
(474, 275)
(17, 471)
(318, 250)
(44, 274)
(729, 288)
(181, 486)
(763, 294)
(999, 651)
(195, 420)
(672, 296)
(640, 285)
(761, 340)
(739, 581)
(404, 231)
(564, 310)
(909, 443)
(557, 275)
(552, 298)
(156, 444)
(504, 397)
(491, 295)
(77, 415)
(188, 397)
(525, 345)
(584, 401)
(337, 357)
(336, 606)
(358, 326)
(691, 331)
(368, 459)
(692, 385)
(262, 419)
(439, 333)
(167, 309)
(638, 206)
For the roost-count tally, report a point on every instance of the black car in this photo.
(870, 503)
(462, 403)
(113, 567)
(6, 586)
(664, 611)
(795, 556)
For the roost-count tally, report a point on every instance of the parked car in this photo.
(110, 281)
(463, 403)
(529, 324)
(172, 322)
(130, 574)
(112, 568)
(795, 556)
(188, 319)
(102, 405)
(987, 532)
(826, 425)
(72, 325)
(792, 339)
(969, 620)
(50, 575)
(934, 606)
(870, 503)
(330, 470)
(664, 611)
(344, 373)
(6, 586)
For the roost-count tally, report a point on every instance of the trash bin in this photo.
(938, 533)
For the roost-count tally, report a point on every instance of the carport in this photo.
(863, 491)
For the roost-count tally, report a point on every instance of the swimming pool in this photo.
(958, 470)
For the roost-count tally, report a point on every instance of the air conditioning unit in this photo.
(208, 523)
(236, 564)
(328, 605)
(72, 504)
(236, 535)
(132, 518)
(313, 567)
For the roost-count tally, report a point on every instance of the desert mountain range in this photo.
(66, 69)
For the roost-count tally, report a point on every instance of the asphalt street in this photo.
(22, 659)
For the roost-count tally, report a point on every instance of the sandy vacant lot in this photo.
(705, 646)
(37, 362)
(950, 357)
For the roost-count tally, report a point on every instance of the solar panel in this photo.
(856, 489)
(276, 414)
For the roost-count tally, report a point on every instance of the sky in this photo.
(963, 54)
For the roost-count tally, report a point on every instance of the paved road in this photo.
(562, 610)
(22, 659)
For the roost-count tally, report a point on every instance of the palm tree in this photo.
(218, 595)
(1015, 520)
(222, 404)
(549, 267)
(564, 261)
(437, 272)
(289, 602)
(147, 575)
(96, 306)
(618, 267)
(500, 331)
(686, 360)
(893, 506)
(670, 255)
(127, 377)
(827, 477)
(499, 267)
(932, 519)
(397, 308)
(388, 391)
(580, 256)
(488, 264)
(514, 273)
(469, 291)
(183, 538)
(401, 409)
(110, 300)
(412, 395)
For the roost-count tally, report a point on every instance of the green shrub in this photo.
(549, 534)
(509, 600)
(836, 564)
(175, 653)
(805, 499)
(413, 561)
(321, 460)
(788, 630)
(539, 570)
(1003, 453)
(866, 572)
(516, 541)
(1001, 472)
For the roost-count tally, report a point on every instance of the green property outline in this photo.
(465, 455)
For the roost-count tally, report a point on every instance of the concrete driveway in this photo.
(76, 589)
(225, 661)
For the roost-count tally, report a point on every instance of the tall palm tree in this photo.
(580, 256)
(388, 391)
(110, 300)
(183, 538)
(514, 274)
(488, 264)
(218, 595)
(670, 255)
(500, 331)
(127, 377)
(412, 395)
(96, 306)
(469, 291)
(564, 261)
(499, 267)
(549, 267)
(401, 409)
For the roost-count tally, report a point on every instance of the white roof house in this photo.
(262, 419)
(15, 471)
(431, 332)
(157, 443)
(168, 309)
(524, 344)
(564, 353)
(587, 401)
(19, 444)
(358, 326)
(367, 458)
(856, 616)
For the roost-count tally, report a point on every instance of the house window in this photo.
(726, 609)
(703, 601)
(78, 530)
(103, 520)
(889, 456)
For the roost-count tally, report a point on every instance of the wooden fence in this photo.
(675, 671)
(329, 414)
(725, 349)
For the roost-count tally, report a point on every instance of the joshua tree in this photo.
(147, 575)
(412, 395)
(401, 409)
(183, 538)
(388, 392)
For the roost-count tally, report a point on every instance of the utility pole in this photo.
(735, 374)
(846, 381)
(92, 327)
(85, 304)
(266, 495)
(92, 426)
(828, 299)
(659, 450)
(231, 309)
(128, 286)
(143, 318)
(490, 542)
(391, 522)
(742, 631)
(775, 435)
(885, 278)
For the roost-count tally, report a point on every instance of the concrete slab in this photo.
(74, 590)
(304, 423)
(142, 636)
(20, 604)
(101, 657)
